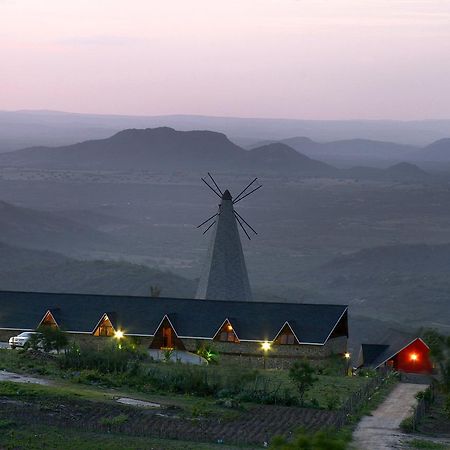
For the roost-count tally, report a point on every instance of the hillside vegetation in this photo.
(32, 270)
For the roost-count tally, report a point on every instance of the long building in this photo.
(237, 330)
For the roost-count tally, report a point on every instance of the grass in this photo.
(45, 437)
(427, 445)
(329, 392)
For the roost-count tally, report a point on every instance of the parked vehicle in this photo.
(22, 339)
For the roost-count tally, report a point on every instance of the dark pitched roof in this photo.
(370, 352)
(191, 317)
(393, 343)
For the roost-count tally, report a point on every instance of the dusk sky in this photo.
(306, 59)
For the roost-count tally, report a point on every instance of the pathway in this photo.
(381, 430)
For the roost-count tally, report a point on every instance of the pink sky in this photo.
(306, 59)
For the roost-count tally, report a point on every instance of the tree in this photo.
(302, 374)
(155, 291)
(440, 354)
(52, 338)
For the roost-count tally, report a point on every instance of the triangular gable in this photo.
(286, 329)
(344, 316)
(105, 326)
(226, 332)
(166, 317)
(163, 336)
(49, 320)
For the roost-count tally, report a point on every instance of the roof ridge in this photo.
(170, 298)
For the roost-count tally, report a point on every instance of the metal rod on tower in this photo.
(207, 220)
(246, 195)
(215, 184)
(246, 223)
(242, 226)
(209, 227)
(240, 193)
(204, 181)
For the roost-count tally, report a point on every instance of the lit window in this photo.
(105, 328)
(227, 334)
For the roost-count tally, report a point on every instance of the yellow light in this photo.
(347, 355)
(229, 328)
(414, 357)
(265, 346)
(118, 334)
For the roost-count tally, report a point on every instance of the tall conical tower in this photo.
(224, 275)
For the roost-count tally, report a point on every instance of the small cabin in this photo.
(401, 353)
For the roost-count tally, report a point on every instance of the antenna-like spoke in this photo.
(209, 227)
(215, 192)
(207, 220)
(246, 195)
(215, 184)
(246, 223)
(240, 193)
(242, 226)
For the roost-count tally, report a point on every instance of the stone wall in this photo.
(249, 354)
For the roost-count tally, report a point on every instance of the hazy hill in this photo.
(351, 148)
(281, 157)
(402, 171)
(436, 151)
(168, 150)
(19, 129)
(45, 230)
(159, 148)
(34, 270)
(406, 282)
(401, 258)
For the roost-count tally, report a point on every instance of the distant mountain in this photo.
(401, 258)
(351, 148)
(158, 148)
(34, 270)
(45, 230)
(281, 157)
(19, 129)
(165, 149)
(409, 282)
(436, 151)
(168, 150)
(402, 171)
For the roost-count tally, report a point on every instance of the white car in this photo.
(22, 339)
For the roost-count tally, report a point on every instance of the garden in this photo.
(215, 403)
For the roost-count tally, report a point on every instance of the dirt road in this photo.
(381, 430)
(18, 378)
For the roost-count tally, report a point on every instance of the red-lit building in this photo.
(399, 352)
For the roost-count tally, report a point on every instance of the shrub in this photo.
(111, 359)
(332, 401)
(447, 406)
(302, 374)
(407, 424)
(114, 421)
(321, 440)
(167, 354)
(208, 352)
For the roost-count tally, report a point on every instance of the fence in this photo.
(423, 406)
(358, 399)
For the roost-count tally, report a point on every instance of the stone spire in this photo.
(224, 275)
